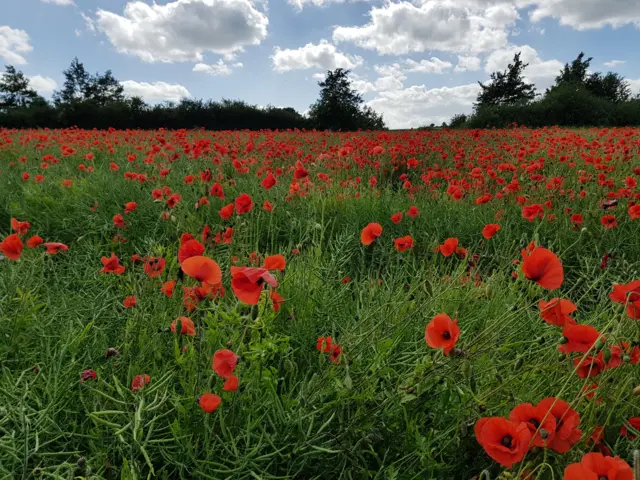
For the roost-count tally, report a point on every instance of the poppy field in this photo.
(311, 305)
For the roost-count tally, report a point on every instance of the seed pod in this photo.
(606, 356)
(519, 363)
(599, 345)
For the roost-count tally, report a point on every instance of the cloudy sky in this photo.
(416, 62)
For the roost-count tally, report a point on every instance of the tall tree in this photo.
(76, 81)
(104, 89)
(576, 72)
(507, 87)
(14, 89)
(340, 107)
(611, 86)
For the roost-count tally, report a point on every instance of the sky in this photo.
(415, 62)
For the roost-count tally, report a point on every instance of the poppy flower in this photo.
(275, 262)
(167, 288)
(130, 207)
(230, 384)
(269, 181)
(370, 233)
(413, 211)
(576, 219)
(608, 221)
(130, 301)
(556, 312)
(140, 381)
(334, 356)
(190, 248)
(567, 420)
(267, 206)
(276, 299)
(11, 247)
(87, 375)
(173, 200)
(35, 241)
(203, 269)
(541, 425)
(54, 247)
(247, 283)
(154, 267)
(504, 441)
(596, 466)
(396, 217)
(112, 265)
(543, 267)
(628, 294)
(589, 366)
(490, 230)
(21, 228)
(448, 247)
(224, 363)
(531, 212)
(118, 221)
(209, 402)
(226, 212)
(324, 344)
(188, 328)
(243, 204)
(634, 211)
(403, 243)
(634, 423)
(442, 332)
(579, 338)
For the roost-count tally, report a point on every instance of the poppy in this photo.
(634, 423)
(112, 265)
(118, 221)
(403, 243)
(54, 247)
(370, 233)
(531, 212)
(543, 267)
(541, 425)
(11, 247)
(190, 248)
(21, 228)
(130, 301)
(154, 267)
(35, 241)
(247, 283)
(448, 247)
(188, 328)
(173, 200)
(226, 212)
(504, 441)
(490, 230)
(140, 381)
(334, 356)
(203, 269)
(230, 384)
(608, 221)
(209, 402)
(634, 212)
(596, 466)
(589, 366)
(442, 332)
(267, 206)
(130, 207)
(276, 299)
(275, 262)
(629, 295)
(167, 288)
(224, 363)
(269, 181)
(87, 375)
(556, 312)
(579, 338)
(567, 421)
(396, 217)
(243, 204)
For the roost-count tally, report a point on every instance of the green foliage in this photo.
(15, 91)
(506, 88)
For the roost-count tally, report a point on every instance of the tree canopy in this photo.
(507, 87)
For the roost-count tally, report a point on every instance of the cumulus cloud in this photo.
(184, 29)
(217, 69)
(59, 2)
(323, 55)
(403, 27)
(614, 63)
(42, 85)
(156, 91)
(433, 65)
(468, 64)
(13, 45)
(634, 85)
(541, 72)
(586, 14)
(299, 4)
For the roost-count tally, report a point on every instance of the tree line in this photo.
(577, 98)
(99, 101)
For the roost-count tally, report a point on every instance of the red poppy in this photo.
(203, 269)
(167, 288)
(269, 181)
(130, 207)
(589, 366)
(209, 402)
(504, 441)
(275, 262)
(230, 384)
(35, 241)
(267, 206)
(87, 375)
(276, 299)
(576, 219)
(11, 247)
(403, 243)
(188, 328)
(608, 221)
(140, 381)
(118, 221)
(596, 466)
(247, 283)
(396, 217)
(112, 265)
(413, 211)
(442, 332)
(334, 356)
(154, 267)
(556, 312)
(243, 204)
(130, 301)
(224, 363)
(370, 233)
(567, 421)
(490, 230)
(541, 425)
(629, 295)
(543, 267)
(54, 247)
(448, 247)
(190, 248)
(531, 212)
(634, 211)
(173, 200)
(21, 228)
(226, 212)
(634, 423)
(579, 338)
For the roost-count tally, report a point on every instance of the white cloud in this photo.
(13, 44)
(184, 29)
(318, 76)
(586, 14)
(217, 69)
(156, 91)
(614, 63)
(417, 105)
(59, 2)
(299, 4)
(468, 64)
(433, 65)
(541, 72)
(634, 85)
(403, 27)
(323, 55)
(42, 85)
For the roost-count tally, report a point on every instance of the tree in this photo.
(340, 107)
(508, 87)
(612, 87)
(576, 72)
(104, 89)
(75, 84)
(14, 89)
(79, 85)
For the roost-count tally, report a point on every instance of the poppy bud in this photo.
(229, 343)
(540, 340)
(289, 366)
(466, 369)
(626, 359)
(81, 462)
(599, 345)
(482, 408)
(499, 377)
(458, 352)
(112, 352)
(561, 357)
(564, 340)
(606, 355)
(254, 312)
(636, 391)
(519, 363)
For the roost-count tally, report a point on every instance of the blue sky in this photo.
(416, 62)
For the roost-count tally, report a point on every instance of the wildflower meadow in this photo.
(316, 305)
